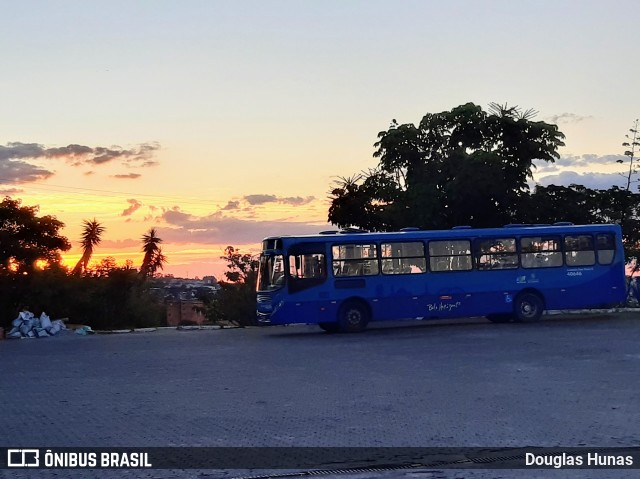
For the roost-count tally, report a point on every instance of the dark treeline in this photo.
(116, 300)
(472, 167)
(105, 296)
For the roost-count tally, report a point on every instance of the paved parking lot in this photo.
(567, 381)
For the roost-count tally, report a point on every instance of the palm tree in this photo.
(153, 259)
(91, 232)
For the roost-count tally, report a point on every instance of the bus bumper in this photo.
(264, 318)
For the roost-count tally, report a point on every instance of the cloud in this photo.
(66, 151)
(590, 180)
(10, 191)
(102, 155)
(134, 205)
(19, 171)
(544, 167)
(232, 205)
(579, 161)
(127, 176)
(260, 199)
(139, 154)
(296, 200)
(13, 151)
(177, 217)
(567, 118)
(14, 167)
(589, 160)
(219, 229)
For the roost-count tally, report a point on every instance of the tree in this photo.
(623, 207)
(242, 268)
(632, 143)
(104, 268)
(626, 211)
(575, 203)
(28, 244)
(235, 302)
(459, 167)
(582, 205)
(91, 237)
(154, 259)
(27, 239)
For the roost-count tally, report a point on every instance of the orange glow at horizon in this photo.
(12, 266)
(183, 261)
(173, 213)
(41, 264)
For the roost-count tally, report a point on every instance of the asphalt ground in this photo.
(565, 381)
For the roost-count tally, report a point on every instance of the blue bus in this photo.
(342, 280)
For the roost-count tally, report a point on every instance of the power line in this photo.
(79, 190)
(94, 196)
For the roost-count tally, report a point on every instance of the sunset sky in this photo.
(221, 122)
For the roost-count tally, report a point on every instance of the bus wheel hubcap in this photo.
(353, 316)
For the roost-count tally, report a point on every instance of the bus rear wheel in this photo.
(528, 307)
(353, 317)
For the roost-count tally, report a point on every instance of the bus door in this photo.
(307, 273)
(401, 292)
(451, 265)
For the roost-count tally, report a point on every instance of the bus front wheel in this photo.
(528, 307)
(353, 317)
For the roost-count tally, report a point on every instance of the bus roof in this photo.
(350, 235)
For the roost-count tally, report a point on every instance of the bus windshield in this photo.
(271, 272)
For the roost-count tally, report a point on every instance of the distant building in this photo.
(181, 311)
(184, 298)
(210, 280)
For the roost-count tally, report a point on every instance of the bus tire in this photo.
(500, 317)
(353, 317)
(329, 327)
(528, 307)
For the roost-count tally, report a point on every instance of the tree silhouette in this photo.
(26, 238)
(154, 259)
(459, 167)
(632, 144)
(235, 302)
(91, 237)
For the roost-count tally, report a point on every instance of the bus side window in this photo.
(496, 253)
(540, 252)
(305, 266)
(578, 250)
(403, 257)
(355, 259)
(606, 245)
(450, 255)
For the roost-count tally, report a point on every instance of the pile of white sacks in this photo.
(26, 325)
